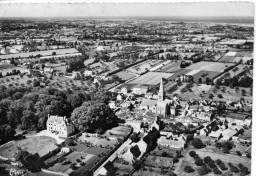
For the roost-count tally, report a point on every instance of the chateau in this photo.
(60, 126)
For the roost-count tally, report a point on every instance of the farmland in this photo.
(189, 161)
(31, 144)
(144, 66)
(236, 57)
(124, 75)
(210, 66)
(169, 68)
(150, 78)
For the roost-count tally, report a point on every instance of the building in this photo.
(176, 143)
(159, 106)
(60, 126)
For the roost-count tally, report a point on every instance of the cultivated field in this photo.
(189, 161)
(31, 144)
(125, 75)
(210, 66)
(150, 78)
(169, 68)
(236, 57)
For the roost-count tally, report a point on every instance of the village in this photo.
(115, 97)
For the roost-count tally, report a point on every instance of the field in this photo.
(57, 82)
(58, 167)
(95, 150)
(204, 74)
(31, 144)
(235, 57)
(144, 66)
(169, 68)
(4, 68)
(188, 161)
(150, 78)
(210, 66)
(125, 75)
(203, 91)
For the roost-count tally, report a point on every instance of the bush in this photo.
(216, 171)
(188, 169)
(73, 166)
(197, 143)
(192, 153)
(248, 155)
(239, 153)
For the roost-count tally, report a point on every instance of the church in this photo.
(161, 105)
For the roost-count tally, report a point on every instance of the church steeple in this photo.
(161, 92)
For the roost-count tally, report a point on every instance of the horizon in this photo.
(124, 10)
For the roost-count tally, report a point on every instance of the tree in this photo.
(192, 153)
(69, 142)
(220, 96)
(211, 96)
(134, 137)
(199, 162)
(28, 160)
(197, 143)
(188, 169)
(216, 171)
(90, 116)
(73, 166)
(175, 159)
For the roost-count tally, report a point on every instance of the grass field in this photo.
(169, 68)
(189, 161)
(203, 74)
(58, 167)
(125, 75)
(210, 66)
(150, 78)
(95, 150)
(31, 144)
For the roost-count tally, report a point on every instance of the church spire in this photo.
(161, 92)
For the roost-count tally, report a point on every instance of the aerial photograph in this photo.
(136, 89)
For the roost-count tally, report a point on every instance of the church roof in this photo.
(161, 86)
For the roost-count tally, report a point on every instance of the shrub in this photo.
(192, 153)
(216, 171)
(248, 155)
(73, 166)
(78, 160)
(197, 143)
(188, 169)
(239, 153)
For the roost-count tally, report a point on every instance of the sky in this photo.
(204, 9)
